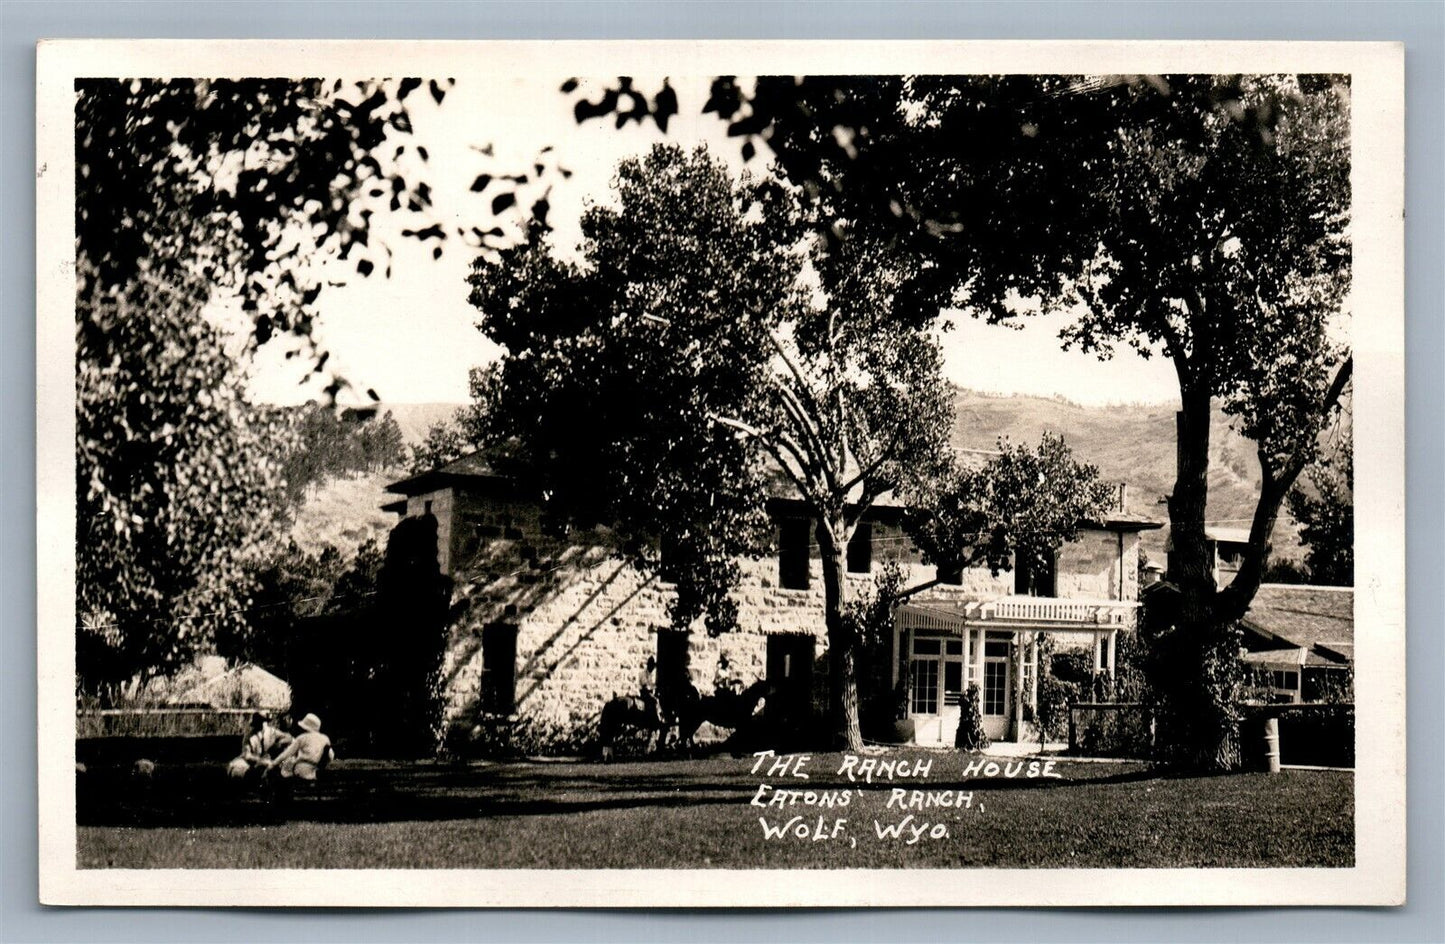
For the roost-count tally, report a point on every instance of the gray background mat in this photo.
(1420, 25)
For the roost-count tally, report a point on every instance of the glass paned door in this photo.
(925, 686)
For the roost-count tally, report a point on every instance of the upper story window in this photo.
(1034, 578)
(795, 538)
(860, 549)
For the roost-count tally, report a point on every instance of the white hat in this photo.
(309, 723)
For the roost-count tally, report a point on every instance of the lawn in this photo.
(699, 814)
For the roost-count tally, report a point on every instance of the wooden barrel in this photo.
(1271, 744)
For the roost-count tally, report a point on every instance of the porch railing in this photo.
(1052, 610)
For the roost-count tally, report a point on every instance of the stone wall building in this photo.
(552, 628)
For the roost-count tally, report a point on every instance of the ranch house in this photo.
(553, 627)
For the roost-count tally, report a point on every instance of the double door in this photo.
(939, 673)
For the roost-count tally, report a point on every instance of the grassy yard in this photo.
(698, 814)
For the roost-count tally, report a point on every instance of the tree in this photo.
(662, 383)
(191, 192)
(178, 483)
(1207, 217)
(1327, 518)
(1023, 503)
(445, 442)
(607, 376)
(1202, 216)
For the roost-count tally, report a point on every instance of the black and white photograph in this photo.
(721, 474)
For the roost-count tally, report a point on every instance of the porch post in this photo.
(897, 648)
(979, 636)
(1034, 677)
(1113, 647)
(1018, 686)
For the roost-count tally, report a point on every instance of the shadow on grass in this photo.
(198, 798)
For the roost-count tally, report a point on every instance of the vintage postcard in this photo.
(721, 474)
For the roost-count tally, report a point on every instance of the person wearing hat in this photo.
(264, 741)
(308, 754)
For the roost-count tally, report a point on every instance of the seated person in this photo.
(308, 754)
(264, 742)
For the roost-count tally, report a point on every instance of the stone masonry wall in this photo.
(587, 622)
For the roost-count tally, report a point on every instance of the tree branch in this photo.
(1234, 600)
(775, 449)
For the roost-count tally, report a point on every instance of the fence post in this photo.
(1271, 744)
(1073, 743)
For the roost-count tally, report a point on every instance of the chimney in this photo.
(1123, 497)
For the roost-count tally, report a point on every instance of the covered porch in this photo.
(941, 648)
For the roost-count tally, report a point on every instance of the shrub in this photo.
(970, 723)
(1052, 717)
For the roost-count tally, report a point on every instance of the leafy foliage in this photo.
(1022, 501)
(328, 446)
(445, 442)
(613, 367)
(178, 483)
(869, 617)
(970, 735)
(246, 184)
(188, 193)
(1327, 518)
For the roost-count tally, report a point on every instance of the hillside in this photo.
(416, 418)
(1132, 443)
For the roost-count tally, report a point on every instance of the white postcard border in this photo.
(1378, 876)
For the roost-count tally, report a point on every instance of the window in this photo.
(927, 647)
(795, 536)
(996, 649)
(426, 507)
(1285, 680)
(953, 682)
(499, 668)
(995, 683)
(925, 686)
(1103, 665)
(950, 576)
(672, 675)
(1032, 577)
(790, 677)
(860, 549)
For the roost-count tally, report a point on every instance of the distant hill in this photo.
(1132, 443)
(345, 512)
(416, 418)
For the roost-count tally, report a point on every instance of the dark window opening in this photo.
(950, 576)
(790, 677)
(1033, 577)
(672, 660)
(860, 549)
(796, 534)
(499, 668)
(426, 507)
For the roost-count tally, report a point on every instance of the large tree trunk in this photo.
(1199, 712)
(842, 641)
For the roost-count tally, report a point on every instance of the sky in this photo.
(411, 337)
